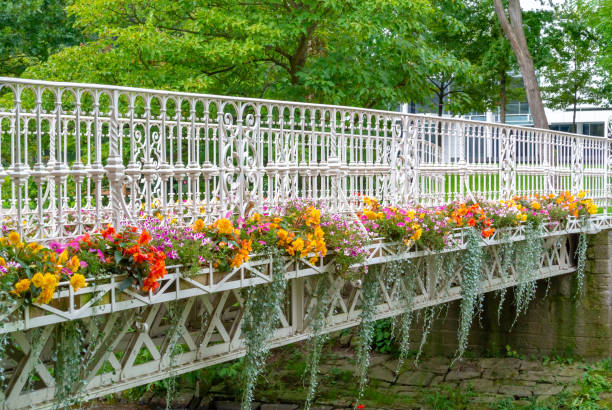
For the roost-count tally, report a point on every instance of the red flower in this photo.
(472, 222)
(361, 406)
(108, 232)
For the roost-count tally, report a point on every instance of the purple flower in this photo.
(99, 252)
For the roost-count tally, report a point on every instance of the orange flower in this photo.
(144, 238)
(472, 222)
(487, 232)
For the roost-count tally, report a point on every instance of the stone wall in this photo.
(556, 323)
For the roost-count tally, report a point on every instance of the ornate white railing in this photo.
(77, 156)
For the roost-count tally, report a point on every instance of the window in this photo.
(593, 128)
(561, 127)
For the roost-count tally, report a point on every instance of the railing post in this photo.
(114, 164)
(608, 175)
(507, 163)
(577, 172)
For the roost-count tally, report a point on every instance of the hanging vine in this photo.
(581, 262)
(317, 315)
(429, 315)
(369, 297)
(470, 284)
(528, 255)
(262, 306)
(174, 317)
(400, 286)
(75, 348)
(507, 251)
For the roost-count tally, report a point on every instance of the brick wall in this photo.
(556, 324)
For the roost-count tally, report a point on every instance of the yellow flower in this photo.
(37, 280)
(63, 257)
(535, 205)
(74, 263)
(224, 226)
(50, 281)
(581, 194)
(318, 233)
(45, 296)
(313, 216)
(282, 234)
(2, 261)
(255, 217)
(418, 231)
(14, 238)
(298, 245)
(77, 281)
(198, 225)
(22, 286)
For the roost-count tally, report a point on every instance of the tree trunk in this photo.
(502, 96)
(574, 129)
(440, 105)
(513, 28)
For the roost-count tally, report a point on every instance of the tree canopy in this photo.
(32, 30)
(370, 53)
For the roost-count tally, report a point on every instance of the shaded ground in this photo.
(478, 383)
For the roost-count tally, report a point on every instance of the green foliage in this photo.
(450, 398)
(600, 18)
(369, 53)
(573, 75)
(261, 315)
(470, 283)
(382, 341)
(31, 30)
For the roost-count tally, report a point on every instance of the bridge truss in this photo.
(133, 344)
(79, 156)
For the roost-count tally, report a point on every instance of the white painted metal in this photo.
(82, 155)
(209, 326)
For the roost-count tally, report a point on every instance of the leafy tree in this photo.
(512, 24)
(363, 52)
(31, 30)
(600, 19)
(572, 74)
(451, 75)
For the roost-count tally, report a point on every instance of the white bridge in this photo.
(78, 156)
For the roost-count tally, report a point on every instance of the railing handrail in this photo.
(105, 152)
(172, 93)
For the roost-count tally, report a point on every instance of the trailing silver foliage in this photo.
(262, 305)
(174, 316)
(528, 256)
(317, 317)
(470, 283)
(581, 262)
(408, 292)
(369, 297)
(428, 318)
(507, 258)
(71, 355)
